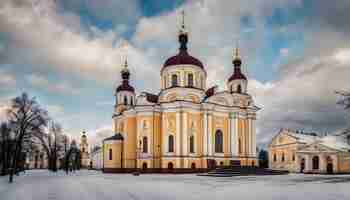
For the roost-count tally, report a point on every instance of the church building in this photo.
(186, 126)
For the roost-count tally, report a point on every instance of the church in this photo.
(186, 126)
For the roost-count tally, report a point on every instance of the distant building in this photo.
(96, 158)
(309, 153)
(84, 153)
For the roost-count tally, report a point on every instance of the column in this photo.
(210, 135)
(178, 134)
(205, 135)
(184, 134)
(233, 134)
(237, 135)
(253, 138)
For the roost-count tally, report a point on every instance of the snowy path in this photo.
(90, 185)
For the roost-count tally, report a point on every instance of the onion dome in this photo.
(125, 76)
(117, 136)
(84, 135)
(237, 73)
(183, 57)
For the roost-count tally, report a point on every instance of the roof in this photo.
(183, 58)
(237, 74)
(335, 142)
(151, 97)
(117, 136)
(303, 137)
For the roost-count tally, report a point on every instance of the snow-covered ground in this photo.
(91, 185)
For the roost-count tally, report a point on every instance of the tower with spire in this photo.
(125, 93)
(237, 83)
(84, 150)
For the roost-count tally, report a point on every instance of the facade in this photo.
(83, 147)
(96, 158)
(185, 126)
(310, 153)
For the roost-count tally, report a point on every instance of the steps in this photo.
(242, 171)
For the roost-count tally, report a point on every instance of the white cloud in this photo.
(7, 80)
(42, 82)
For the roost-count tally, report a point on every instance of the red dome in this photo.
(183, 58)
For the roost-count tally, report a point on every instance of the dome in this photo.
(183, 58)
(237, 75)
(125, 87)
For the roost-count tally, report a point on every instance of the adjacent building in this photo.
(96, 158)
(302, 152)
(185, 126)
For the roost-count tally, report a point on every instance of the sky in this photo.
(69, 53)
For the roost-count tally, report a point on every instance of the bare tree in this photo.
(6, 144)
(26, 117)
(52, 142)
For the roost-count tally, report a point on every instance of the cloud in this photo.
(7, 80)
(96, 136)
(42, 82)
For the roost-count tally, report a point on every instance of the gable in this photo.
(283, 139)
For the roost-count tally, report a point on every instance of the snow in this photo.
(91, 185)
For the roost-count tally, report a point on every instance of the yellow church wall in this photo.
(343, 163)
(116, 155)
(130, 142)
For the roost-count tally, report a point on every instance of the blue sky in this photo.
(68, 55)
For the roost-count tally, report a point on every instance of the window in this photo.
(274, 157)
(174, 81)
(293, 157)
(348, 139)
(110, 154)
(193, 166)
(170, 166)
(171, 143)
(239, 89)
(83, 150)
(239, 146)
(218, 142)
(191, 144)
(315, 163)
(125, 100)
(165, 82)
(144, 145)
(282, 157)
(131, 101)
(190, 80)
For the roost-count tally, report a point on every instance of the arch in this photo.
(315, 163)
(239, 88)
(302, 165)
(144, 166)
(170, 166)
(190, 80)
(125, 100)
(110, 154)
(191, 144)
(193, 165)
(171, 143)
(174, 80)
(219, 142)
(329, 165)
(144, 144)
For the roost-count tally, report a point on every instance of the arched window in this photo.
(174, 81)
(239, 89)
(110, 154)
(282, 157)
(144, 144)
(83, 150)
(193, 166)
(218, 141)
(132, 101)
(231, 89)
(170, 165)
(125, 100)
(315, 162)
(171, 143)
(293, 157)
(144, 166)
(239, 146)
(191, 144)
(190, 80)
(348, 139)
(274, 157)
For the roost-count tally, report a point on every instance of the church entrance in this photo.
(329, 165)
(302, 165)
(211, 163)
